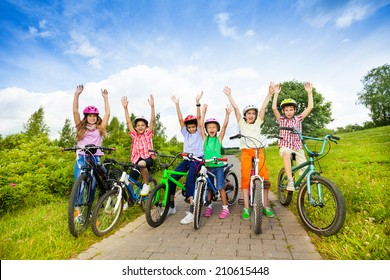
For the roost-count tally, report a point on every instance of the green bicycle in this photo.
(320, 203)
(157, 205)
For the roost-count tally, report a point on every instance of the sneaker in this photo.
(188, 219)
(224, 214)
(290, 185)
(145, 190)
(246, 214)
(208, 212)
(268, 212)
(125, 206)
(171, 211)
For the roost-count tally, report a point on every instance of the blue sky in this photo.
(166, 48)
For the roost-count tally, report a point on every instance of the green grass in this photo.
(42, 233)
(359, 165)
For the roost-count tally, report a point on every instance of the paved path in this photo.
(283, 237)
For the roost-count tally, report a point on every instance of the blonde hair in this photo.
(81, 128)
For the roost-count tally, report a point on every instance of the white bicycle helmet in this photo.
(250, 107)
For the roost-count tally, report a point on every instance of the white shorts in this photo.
(299, 156)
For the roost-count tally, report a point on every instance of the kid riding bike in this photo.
(256, 186)
(81, 196)
(320, 203)
(206, 181)
(126, 191)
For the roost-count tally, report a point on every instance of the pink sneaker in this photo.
(208, 212)
(224, 214)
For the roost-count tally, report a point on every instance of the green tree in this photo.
(67, 135)
(375, 95)
(314, 123)
(36, 125)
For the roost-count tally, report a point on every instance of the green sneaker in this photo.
(246, 214)
(268, 212)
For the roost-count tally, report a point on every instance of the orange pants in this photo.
(246, 166)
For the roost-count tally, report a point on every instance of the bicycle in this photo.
(320, 203)
(157, 205)
(256, 186)
(109, 207)
(207, 180)
(80, 202)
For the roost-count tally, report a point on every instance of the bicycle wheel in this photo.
(284, 196)
(79, 205)
(326, 214)
(106, 212)
(156, 206)
(231, 187)
(144, 199)
(198, 203)
(257, 206)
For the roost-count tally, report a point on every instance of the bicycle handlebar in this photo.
(159, 155)
(214, 159)
(294, 130)
(88, 148)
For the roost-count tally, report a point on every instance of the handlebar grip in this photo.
(235, 136)
(335, 137)
(68, 149)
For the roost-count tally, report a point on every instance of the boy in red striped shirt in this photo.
(291, 142)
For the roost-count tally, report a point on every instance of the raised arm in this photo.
(107, 111)
(201, 123)
(228, 109)
(310, 106)
(266, 100)
(152, 112)
(277, 90)
(197, 99)
(178, 111)
(228, 93)
(125, 104)
(76, 113)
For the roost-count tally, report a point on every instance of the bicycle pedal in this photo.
(240, 201)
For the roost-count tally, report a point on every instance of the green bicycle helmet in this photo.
(288, 102)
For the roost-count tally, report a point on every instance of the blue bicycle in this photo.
(125, 191)
(207, 181)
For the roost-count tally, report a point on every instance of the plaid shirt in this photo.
(290, 140)
(141, 145)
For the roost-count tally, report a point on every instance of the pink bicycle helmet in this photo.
(140, 118)
(91, 110)
(212, 120)
(190, 119)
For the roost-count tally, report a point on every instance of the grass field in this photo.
(359, 165)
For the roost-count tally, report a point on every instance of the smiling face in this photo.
(250, 116)
(140, 127)
(289, 111)
(92, 118)
(191, 128)
(212, 129)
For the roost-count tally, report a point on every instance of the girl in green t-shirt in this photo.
(213, 148)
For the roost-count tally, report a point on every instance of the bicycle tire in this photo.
(231, 187)
(326, 219)
(198, 203)
(156, 211)
(284, 196)
(105, 216)
(79, 205)
(257, 207)
(143, 199)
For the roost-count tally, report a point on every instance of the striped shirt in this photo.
(141, 145)
(290, 140)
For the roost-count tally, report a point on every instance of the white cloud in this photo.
(224, 28)
(80, 45)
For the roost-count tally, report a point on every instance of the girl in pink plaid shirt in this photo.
(142, 136)
(291, 142)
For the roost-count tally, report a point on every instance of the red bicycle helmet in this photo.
(212, 120)
(91, 110)
(140, 118)
(190, 119)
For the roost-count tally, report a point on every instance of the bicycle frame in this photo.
(167, 176)
(255, 176)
